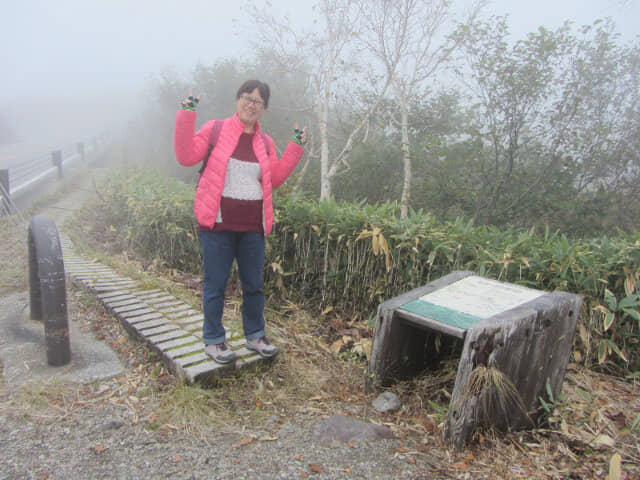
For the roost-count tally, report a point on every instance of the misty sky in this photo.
(81, 51)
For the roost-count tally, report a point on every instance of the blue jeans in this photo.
(218, 252)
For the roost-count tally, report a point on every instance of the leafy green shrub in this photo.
(153, 217)
(350, 257)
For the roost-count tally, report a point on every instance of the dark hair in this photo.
(250, 85)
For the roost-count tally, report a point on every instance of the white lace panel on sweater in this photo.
(242, 180)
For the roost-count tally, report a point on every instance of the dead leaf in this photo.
(324, 346)
(347, 339)
(43, 475)
(315, 468)
(615, 467)
(363, 347)
(460, 466)
(268, 439)
(603, 440)
(99, 448)
(177, 459)
(410, 460)
(246, 440)
(336, 346)
(619, 420)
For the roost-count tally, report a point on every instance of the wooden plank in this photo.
(139, 307)
(185, 350)
(178, 342)
(164, 305)
(190, 319)
(136, 316)
(185, 361)
(163, 337)
(157, 322)
(122, 302)
(525, 348)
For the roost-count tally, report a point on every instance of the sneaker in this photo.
(220, 353)
(262, 346)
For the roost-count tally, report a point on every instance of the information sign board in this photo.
(469, 300)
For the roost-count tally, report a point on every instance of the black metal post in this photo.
(81, 150)
(56, 159)
(4, 190)
(48, 296)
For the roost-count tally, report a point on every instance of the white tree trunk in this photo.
(323, 126)
(406, 156)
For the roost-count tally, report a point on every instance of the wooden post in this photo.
(523, 350)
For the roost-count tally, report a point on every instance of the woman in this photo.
(233, 206)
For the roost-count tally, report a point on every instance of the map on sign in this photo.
(470, 300)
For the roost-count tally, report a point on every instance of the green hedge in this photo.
(350, 257)
(152, 214)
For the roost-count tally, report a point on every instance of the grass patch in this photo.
(14, 262)
(39, 401)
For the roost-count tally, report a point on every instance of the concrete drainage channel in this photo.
(169, 326)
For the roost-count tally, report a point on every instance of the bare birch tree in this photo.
(328, 57)
(409, 38)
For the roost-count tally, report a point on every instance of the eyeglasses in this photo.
(250, 99)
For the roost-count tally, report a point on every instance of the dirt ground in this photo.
(144, 423)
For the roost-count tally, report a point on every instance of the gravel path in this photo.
(108, 429)
(116, 428)
(102, 442)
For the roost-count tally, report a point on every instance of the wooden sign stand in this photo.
(517, 344)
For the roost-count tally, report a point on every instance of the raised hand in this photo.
(191, 102)
(300, 136)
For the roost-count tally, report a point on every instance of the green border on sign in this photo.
(441, 314)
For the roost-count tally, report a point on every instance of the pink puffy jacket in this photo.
(191, 149)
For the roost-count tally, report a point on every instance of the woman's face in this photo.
(250, 108)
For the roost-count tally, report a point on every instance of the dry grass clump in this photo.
(38, 401)
(498, 397)
(306, 377)
(14, 259)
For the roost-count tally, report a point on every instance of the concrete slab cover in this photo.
(469, 300)
(23, 349)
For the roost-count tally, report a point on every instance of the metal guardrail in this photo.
(23, 173)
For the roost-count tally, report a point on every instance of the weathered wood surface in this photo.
(521, 349)
(169, 326)
(400, 347)
(528, 346)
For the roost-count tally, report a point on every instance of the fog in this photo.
(71, 69)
